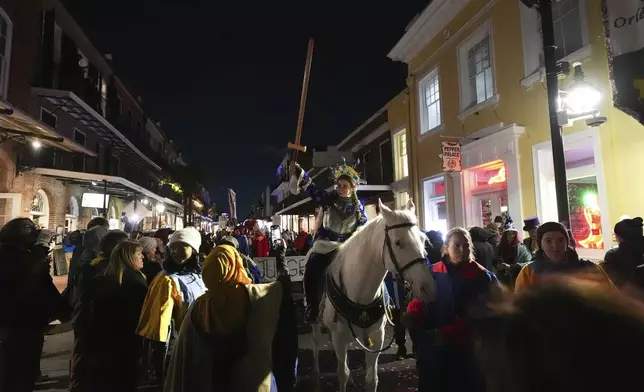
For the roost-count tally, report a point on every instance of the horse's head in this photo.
(405, 251)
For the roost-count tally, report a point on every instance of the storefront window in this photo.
(585, 198)
(435, 205)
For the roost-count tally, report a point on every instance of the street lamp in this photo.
(160, 208)
(579, 102)
(36, 144)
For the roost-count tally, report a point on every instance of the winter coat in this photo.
(79, 282)
(166, 303)
(541, 269)
(29, 297)
(395, 291)
(192, 367)
(113, 348)
(509, 275)
(620, 263)
(445, 358)
(285, 341)
(151, 268)
(483, 249)
(244, 248)
(261, 246)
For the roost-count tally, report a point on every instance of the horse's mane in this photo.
(368, 230)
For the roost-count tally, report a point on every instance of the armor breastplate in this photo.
(334, 222)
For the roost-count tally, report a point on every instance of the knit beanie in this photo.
(549, 227)
(188, 235)
(630, 229)
(148, 244)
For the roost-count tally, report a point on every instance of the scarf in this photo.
(225, 306)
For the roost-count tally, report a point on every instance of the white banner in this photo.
(232, 203)
(626, 24)
(296, 266)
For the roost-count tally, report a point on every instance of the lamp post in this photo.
(556, 135)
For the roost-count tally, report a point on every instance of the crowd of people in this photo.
(509, 314)
(143, 308)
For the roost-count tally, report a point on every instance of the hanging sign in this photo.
(624, 22)
(451, 156)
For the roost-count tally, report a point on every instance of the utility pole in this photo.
(552, 82)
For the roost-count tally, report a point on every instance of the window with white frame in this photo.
(435, 205)
(400, 147)
(566, 16)
(6, 29)
(430, 102)
(476, 68)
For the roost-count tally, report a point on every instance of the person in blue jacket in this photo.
(342, 215)
(445, 353)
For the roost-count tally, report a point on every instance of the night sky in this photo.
(224, 77)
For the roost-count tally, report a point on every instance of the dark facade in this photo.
(70, 126)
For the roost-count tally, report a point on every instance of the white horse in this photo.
(354, 287)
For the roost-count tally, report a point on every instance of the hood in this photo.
(480, 234)
(93, 237)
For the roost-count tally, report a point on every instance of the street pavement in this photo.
(394, 375)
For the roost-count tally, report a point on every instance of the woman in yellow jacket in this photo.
(169, 296)
(556, 258)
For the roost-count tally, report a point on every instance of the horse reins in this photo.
(400, 271)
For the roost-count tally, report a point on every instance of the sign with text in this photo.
(268, 270)
(624, 22)
(451, 154)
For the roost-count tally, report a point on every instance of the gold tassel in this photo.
(369, 342)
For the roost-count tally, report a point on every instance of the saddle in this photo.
(362, 316)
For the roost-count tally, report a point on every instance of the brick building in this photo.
(75, 140)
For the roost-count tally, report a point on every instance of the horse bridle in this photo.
(399, 270)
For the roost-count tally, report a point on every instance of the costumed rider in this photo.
(342, 215)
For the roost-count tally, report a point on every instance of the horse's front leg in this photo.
(317, 336)
(340, 346)
(371, 359)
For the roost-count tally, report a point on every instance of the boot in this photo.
(402, 352)
(311, 314)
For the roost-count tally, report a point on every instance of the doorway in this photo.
(487, 206)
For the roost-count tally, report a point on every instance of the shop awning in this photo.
(77, 108)
(26, 125)
(304, 207)
(117, 186)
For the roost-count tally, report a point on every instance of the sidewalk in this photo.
(54, 362)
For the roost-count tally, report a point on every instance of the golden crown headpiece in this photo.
(347, 171)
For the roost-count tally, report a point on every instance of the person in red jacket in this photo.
(260, 244)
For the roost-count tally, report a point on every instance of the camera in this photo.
(596, 121)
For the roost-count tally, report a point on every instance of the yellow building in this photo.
(476, 76)
(398, 121)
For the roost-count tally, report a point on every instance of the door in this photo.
(487, 206)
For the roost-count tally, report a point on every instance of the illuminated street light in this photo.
(160, 208)
(36, 144)
(582, 97)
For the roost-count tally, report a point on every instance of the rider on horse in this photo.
(342, 215)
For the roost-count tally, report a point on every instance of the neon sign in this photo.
(499, 178)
